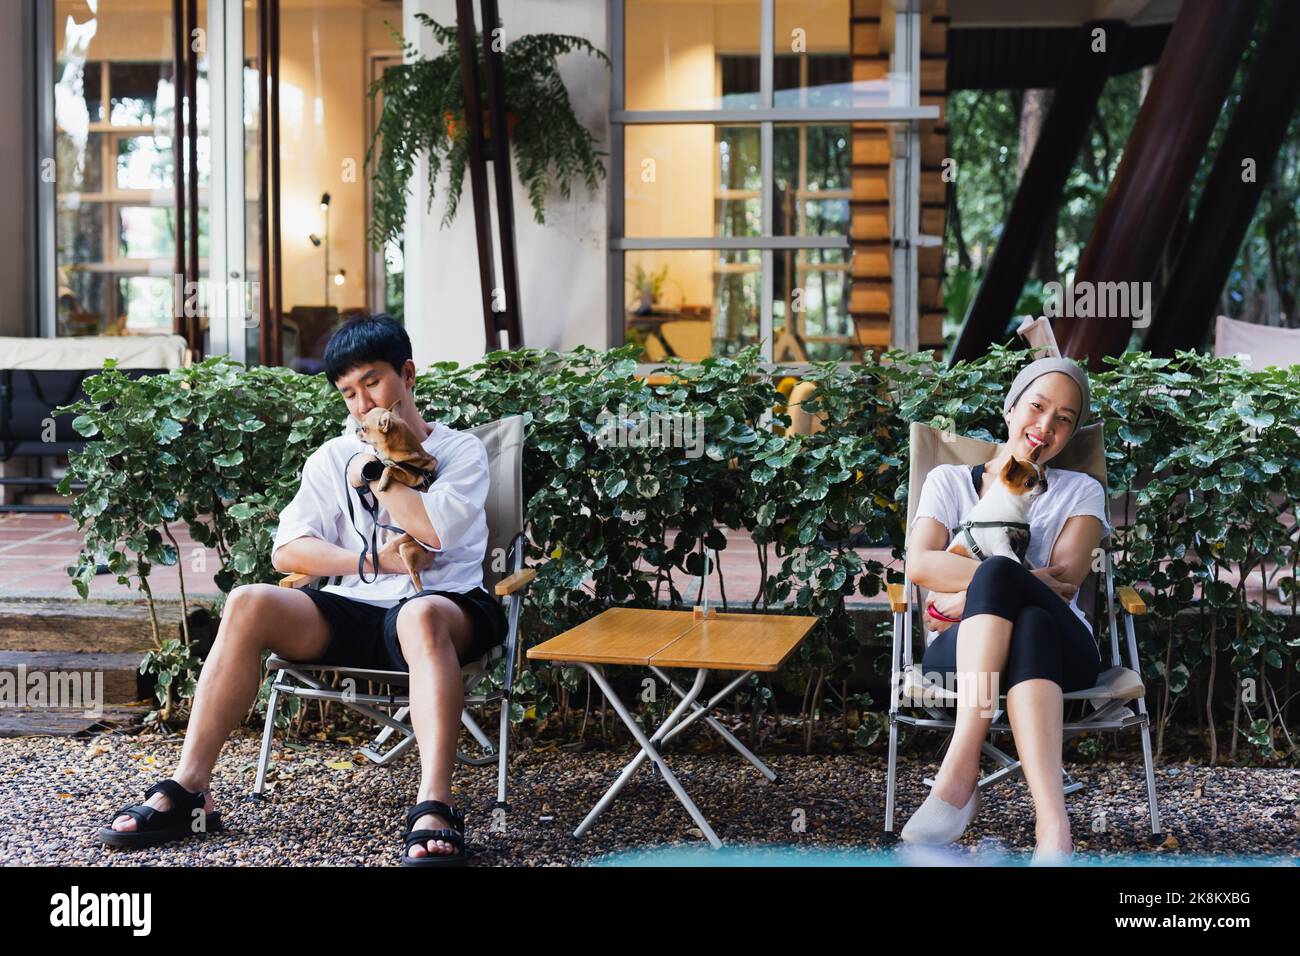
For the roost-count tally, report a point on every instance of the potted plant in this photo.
(647, 287)
(424, 111)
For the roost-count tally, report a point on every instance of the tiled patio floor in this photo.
(36, 548)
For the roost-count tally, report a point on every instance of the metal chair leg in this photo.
(503, 741)
(1151, 778)
(890, 775)
(386, 732)
(264, 757)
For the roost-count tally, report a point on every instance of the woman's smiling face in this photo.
(1044, 416)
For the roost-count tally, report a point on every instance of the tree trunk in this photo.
(1033, 111)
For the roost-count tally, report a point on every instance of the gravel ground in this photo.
(56, 792)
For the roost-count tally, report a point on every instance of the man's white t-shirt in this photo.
(454, 504)
(949, 494)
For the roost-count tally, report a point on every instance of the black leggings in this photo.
(1047, 638)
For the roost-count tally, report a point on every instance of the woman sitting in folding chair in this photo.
(1002, 626)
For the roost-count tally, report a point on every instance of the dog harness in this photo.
(1019, 543)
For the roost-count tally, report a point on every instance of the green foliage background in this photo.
(985, 142)
(222, 447)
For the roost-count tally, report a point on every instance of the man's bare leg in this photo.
(433, 632)
(256, 617)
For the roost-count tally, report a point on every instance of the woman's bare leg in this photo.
(982, 647)
(1035, 709)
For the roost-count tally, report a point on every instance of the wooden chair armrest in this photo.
(297, 580)
(516, 582)
(1131, 600)
(897, 597)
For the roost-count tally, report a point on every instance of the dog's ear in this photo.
(393, 407)
(385, 422)
(1033, 455)
(1012, 469)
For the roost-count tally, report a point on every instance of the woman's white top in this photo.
(948, 495)
(454, 504)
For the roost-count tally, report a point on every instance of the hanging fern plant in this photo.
(424, 110)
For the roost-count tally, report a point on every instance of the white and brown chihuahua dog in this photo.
(999, 522)
(405, 461)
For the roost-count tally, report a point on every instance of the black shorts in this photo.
(365, 635)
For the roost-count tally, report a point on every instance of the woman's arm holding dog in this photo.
(930, 566)
(1076, 548)
(946, 573)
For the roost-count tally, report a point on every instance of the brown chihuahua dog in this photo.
(405, 461)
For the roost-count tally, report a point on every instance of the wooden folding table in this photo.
(658, 639)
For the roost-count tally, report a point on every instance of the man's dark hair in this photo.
(368, 338)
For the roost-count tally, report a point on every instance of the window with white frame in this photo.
(115, 228)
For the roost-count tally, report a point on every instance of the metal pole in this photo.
(275, 228)
(179, 327)
(509, 318)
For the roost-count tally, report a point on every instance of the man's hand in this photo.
(950, 605)
(1050, 576)
(390, 559)
(354, 467)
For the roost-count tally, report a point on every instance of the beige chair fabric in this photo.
(1039, 335)
(504, 440)
(89, 352)
(1261, 346)
(931, 446)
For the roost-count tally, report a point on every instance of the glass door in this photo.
(113, 121)
(153, 227)
(239, 288)
(119, 254)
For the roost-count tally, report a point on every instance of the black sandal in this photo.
(455, 837)
(159, 826)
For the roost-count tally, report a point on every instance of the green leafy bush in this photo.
(1204, 451)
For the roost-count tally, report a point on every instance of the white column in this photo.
(562, 265)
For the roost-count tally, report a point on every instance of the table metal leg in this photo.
(702, 710)
(648, 749)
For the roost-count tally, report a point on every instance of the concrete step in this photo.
(66, 679)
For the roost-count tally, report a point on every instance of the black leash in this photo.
(372, 509)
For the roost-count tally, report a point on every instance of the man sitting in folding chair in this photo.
(1021, 631)
(373, 617)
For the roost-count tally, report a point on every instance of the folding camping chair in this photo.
(504, 440)
(1258, 346)
(1116, 687)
